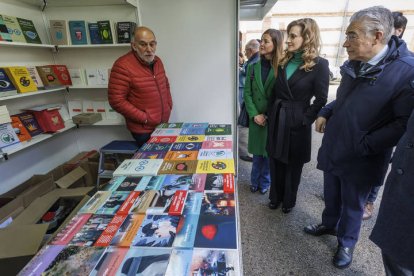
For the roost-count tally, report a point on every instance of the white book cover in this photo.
(88, 106)
(218, 138)
(75, 107)
(35, 76)
(99, 107)
(64, 113)
(138, 167)
(91, 76)
(102, 76)
(166, 132)
(111, 114)
(4, 115)
(210, 154)
(77, 76)
(9, 139)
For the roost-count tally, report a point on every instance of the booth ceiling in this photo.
(255, 9)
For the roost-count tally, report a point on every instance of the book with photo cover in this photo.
(176, 182)
(150, 183)
(210, 261)
(198, 182)
(69, 231)
(113, 203)
(216, 232)
(144, 201)
(218, 204)
(95, 202)
(138, 167)
(41, 261)
(125, 183)
(178, 203)
(107, 235)
(178, 167)
(91, 230)
(162, 202)
(219, 182)
(193, 203)
(128, 203)
(110, 261)
(128, 230)
(186, 231)
(180, 262)
(145, 261)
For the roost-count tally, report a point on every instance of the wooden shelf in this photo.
(39, 138)
(94, 46)
(71, 3)
(29, 45)
(34, 93)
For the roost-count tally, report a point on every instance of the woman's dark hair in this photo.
(400, 21)
(277, 39)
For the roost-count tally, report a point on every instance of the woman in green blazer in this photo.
(259, 82)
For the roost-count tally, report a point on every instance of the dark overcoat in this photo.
(393, 231)
(291, 114)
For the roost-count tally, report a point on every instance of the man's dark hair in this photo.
(400, 21)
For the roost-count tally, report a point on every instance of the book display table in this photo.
(170, 210)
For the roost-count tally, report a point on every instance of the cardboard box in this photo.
(86, 118)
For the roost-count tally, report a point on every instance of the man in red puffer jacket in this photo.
(138, 87)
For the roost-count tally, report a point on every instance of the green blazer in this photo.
(256, 96)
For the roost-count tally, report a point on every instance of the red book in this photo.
(228, 183)
(162, 139)
(49, 118)
(128, 203)
(73, 227)
(110, 231)
(178, 202)
(62, 74)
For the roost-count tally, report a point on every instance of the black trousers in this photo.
(141, 138)
(394, 269)
(285, 179)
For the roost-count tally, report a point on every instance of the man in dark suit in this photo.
(368, 117)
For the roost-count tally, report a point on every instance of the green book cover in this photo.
(105, 32)
(13, 28)
(29, 31)
(4, 33)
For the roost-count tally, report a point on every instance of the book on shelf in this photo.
(21, 79)
(97, 76)
(105, 31)
(4, 115)
(77, 76)
(29, 31)
(58, 32)
(6, 85)
(124, 31)
(87, 106)
(22, 133)
(111, 113)
(94, 36)
(99, 107)
(30, 123)
(151, 260)
(48, 117)
(75, 107)
(77, 31)
(35, 77)
(62, 73)
(110, 231)
(9, 139)
(138, 167)
(4, 33)
(215, 166)
(49, 78)
(14, 29)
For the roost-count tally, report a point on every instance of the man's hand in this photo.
(320, 124)
(260, 119)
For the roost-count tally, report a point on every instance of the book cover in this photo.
(77, 76)
(21, 79)
(41, 261)
(14, 29)
(228, 183)
(30, 123)
(6, 85)
(192, 131)
(186, 146)
(138, 167)
(215, 166)
(170, 125)
(218, 204)
(29, 31)
(193, 203)
(181, 155)
(127, 183)
(150, 183)
(198, 182)
(218, 129)
(150, 155)
(166, 132)
(156, 147)
(62, 73)
(218, 138)
(174, 182)
(124, 31)
(128, 230)
(219, 182)
(73, 227)
(91, 230)
(35, 77)
(48, 76)
(94, 35)
(217, 145)
(4, 33)
(105, 31)
(180, 262)
(113, 203)
(48, 117)
(145, 261)
(211, 261)
(58, 32)
(8, 138)
(145, 200)
(216, 232)
(75, 107)
(99, 107)
(102, 76)
(177, 205)
(87, 106)
(162, 202)
(95, 202)
(109, 262)
(211, 154)
(195, 125)
(178, 167)
(77, 31)
(21, 132)
(128, 203)
(186, 231)
(157, 231)
(190, 138)
(162, 139)
(74, 260)
(107, 235)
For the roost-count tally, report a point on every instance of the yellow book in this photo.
(190, 138)
(21, 79)
(215, 166)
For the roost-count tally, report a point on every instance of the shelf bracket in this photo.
(3, 156)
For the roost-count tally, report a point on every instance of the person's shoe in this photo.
(263, 191)
(368, 210)
(246, 158)
(253, 189)
(343, 257)
(319, 230)
(286, 210)
(273, 205)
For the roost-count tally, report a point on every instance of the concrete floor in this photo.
(273, 243)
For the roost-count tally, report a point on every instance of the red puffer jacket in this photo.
(142, 96)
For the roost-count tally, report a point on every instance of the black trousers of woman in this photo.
(285, 179)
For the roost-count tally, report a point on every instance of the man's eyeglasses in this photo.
(151, 44)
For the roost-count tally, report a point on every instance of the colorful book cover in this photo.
(218, 138)
(21, 79)
(198, 182)
(216, 232)
(73, 227)
(6, 85)
(150, 183)
(35, 77)
(62, 74)
(157, 231)
(30, 123)
(195, 125)
(218, 204)
(106, 237)
(14, 29)
(170, 125)
(41, 261)
(211, 154)
(128, 230)
(74, 260)
(4, 33)
(128, 203)
(178, 202)
(58, 32)
(192, 131)
(29, 31)
(113, 203)
(186, 146)
(186, 231)
(21, 132)
(219, 182)
(128, 183)
(91, 230)
(8, 138)
(193, 203)
(176, 182)
(166, 132)
(161, 203)
(180, 262)
(95, 202)
(178, 167)
(162, 139)
(145, 261)
(105, 31)
(94, 35)
(228, 183)
(149, 155)
(138, 167)
(48, 76)
(77, 32)
(124, 31)
(113, 184)
(217, 145)
(109, 262)
(156, 147)
(181, 155)
(215, 166)
(218, 129)
(214, 262)
(190, 138)
(145, 200)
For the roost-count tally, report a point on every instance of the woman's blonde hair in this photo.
(277, 53)
(311, 43)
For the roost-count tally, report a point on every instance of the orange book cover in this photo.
(181, 155)
(23, 134)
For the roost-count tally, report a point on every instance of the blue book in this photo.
(186, 234)
(77, 32)
(94, 35)
(6, 86)
(193, 131)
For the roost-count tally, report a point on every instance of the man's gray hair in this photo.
(376, 18)
(253, 44)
